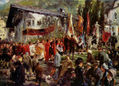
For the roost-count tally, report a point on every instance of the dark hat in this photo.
(96, 63)
(17, 63)
(105, 66)
(78, 61)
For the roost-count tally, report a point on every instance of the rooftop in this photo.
(37, 10)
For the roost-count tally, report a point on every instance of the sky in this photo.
(2, 2)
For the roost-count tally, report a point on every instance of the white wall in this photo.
(3, 30)
(37, 17)
(45, 22)
(111, 15)
(115, 30)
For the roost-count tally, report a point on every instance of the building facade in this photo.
(3, 30)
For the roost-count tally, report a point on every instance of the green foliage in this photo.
(70, 6)
(96, 12)
(5, 10)
(27, 3)
(84, 55)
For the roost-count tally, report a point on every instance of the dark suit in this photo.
(79, 80)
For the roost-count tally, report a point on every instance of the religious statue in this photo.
(97, 31)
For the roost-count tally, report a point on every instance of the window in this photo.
(28, 23)
(38, 22)
(33, 22)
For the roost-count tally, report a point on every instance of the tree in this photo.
(97, 9)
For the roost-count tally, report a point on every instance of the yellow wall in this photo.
(3, 33)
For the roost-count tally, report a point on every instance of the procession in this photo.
(40, 46)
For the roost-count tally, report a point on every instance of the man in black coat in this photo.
(72, 44)
(66, 43)
(19, 74)
(113, 41)
(79, 79)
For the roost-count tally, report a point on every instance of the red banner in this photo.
(80, 24)
(30, 31)
(70, 26)
(88, 24)
(106, 36)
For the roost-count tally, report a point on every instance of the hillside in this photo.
(5, 8)
(68, 5)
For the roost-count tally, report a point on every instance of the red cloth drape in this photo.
(26, 49)
(88, 23)
(31, 31)
(54, 48)
(47, 46)
(80, 24)
(106, 36)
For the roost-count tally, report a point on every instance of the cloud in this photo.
(2, 2)
(7, 1)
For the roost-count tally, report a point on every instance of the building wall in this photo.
(111, 15)
(42, 19)
(114, 20)
(45, 22)
(3, 30)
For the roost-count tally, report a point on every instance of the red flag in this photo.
(106, 36)
(80, 24)
(88, 24)
(70, 26)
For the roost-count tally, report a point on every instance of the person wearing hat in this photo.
(57, 64)
(97, 73)
(66, 44)
(86, 74)
(79, 79)
(66, 64)
(90, 57)
(27, 62)
(104, 69)
(39, 73)
(72, 44)
(111, 77)
(113, 40)
(66, 79)
(94, 75)
(108, 76)
(19, 74)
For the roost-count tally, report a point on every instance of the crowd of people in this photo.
(23, 59)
